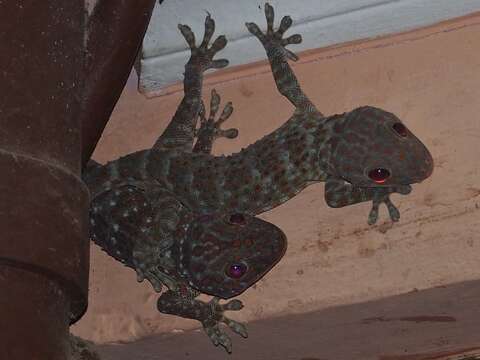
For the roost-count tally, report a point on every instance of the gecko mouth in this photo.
(403, 189)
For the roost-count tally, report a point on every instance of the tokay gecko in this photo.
(184, 219)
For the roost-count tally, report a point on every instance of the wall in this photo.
(430, 78)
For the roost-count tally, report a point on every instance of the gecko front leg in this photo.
(339, 193)
(183, 303)
(150, 255)
(136, 226)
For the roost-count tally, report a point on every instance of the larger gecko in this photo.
(184, 218)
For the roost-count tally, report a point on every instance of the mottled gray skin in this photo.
(82, 349)
(182, 217)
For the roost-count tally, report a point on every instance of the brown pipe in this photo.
(43, 202)
(46, 105)
(115, 32)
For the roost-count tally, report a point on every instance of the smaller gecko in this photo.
(185, 219)
(238, 248)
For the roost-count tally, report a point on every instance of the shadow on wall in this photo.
(428, 321)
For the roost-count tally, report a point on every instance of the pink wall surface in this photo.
(430, 78)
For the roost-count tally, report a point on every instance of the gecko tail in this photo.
(92, 164)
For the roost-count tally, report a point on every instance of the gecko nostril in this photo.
(400, 129)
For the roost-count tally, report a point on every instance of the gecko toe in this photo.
(236, 327)
(373, 216)
(255, 30)
(229, 133)
(209, 30)
(233, 305)
(392, 210)
(285, 24)
(188, 35)
(294, 39)
(270, 15)
(218, 44)
(218, 64)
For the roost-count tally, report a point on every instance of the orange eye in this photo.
(379, 175)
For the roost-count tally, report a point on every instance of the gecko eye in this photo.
(237, 219)
(379, 175)
(400, 129)
(236, 270)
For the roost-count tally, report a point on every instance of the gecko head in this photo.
(223, 255)
(371, 147)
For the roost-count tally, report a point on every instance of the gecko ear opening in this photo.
(237, 219)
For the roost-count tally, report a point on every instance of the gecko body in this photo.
(186, 219)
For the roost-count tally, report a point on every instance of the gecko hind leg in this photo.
(209, 129)
(275, 46)
(180, 131)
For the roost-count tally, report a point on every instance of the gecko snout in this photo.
(425, 166)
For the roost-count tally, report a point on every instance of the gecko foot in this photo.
(382, 195)
(211, 323)
(274, 39)
(202, 55)
(392, 210)
(211, 128)
(148, 264)
(182, 302)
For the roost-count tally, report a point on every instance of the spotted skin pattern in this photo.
(215, 239)
(185, 219)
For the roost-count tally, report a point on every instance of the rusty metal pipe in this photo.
(44, 100)
(44, 247)
(115, 32)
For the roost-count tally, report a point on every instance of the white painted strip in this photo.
(320, 22)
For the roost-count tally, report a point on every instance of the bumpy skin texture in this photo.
(184, 218)
(82, 349)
